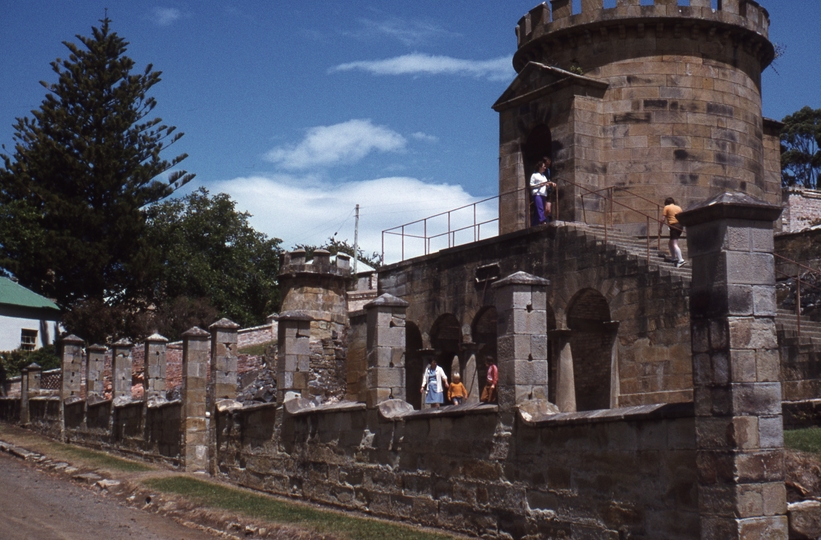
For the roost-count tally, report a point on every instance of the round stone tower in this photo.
(654, 101)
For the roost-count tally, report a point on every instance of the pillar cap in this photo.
(521, 278)
(34, 366)
(97, 348)
(224, 323)
(71, 338)
(387, 300)
(122, 343)
(195, 332)
(156, 338)
(728, 205)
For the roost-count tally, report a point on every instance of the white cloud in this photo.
(308, 210)
(408, 32)
(347, 142)
(419, 136)
(166, 16)
(497, 69)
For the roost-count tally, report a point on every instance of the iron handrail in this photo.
(798, 281)
(608, 216)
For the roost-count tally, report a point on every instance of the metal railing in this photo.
(798, 281)
(418, 230)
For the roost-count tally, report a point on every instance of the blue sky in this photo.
(300, 111)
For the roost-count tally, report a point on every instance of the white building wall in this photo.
(11, 327)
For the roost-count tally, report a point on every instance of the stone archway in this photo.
(591, 340)
(538, 144)
(446, 340)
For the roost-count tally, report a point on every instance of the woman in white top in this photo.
(541, 188)
(435, 382)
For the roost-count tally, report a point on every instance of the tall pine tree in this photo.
(84, 166)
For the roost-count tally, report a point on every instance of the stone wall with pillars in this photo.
(95, 367)
(385, 349)
(737, 393)
(224, 359)
(121, 369)
(71, 356)
(155, 366)
(521, 301)
(195, 360)
(294, 354)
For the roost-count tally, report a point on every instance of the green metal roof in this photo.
(16, 295)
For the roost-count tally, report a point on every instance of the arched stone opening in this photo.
(414, 365)
(538, 145)
(591, 340)
(484, 331)
(446, 340)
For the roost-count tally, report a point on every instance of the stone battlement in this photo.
(746, 21)
(295, 262)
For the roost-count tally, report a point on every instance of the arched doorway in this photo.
(413, 364)
(538, 145)
(591, 341)
(484, 331)
(445, 339)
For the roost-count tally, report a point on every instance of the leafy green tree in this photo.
(801, 149)
(84, 167)
(12, 362)
(334, 246)
(209, 255)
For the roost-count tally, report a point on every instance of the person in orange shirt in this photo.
(671, 210)
(457, 393)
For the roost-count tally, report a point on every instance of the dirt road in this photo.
(37, 504)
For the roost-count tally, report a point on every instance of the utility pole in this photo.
(356, 241)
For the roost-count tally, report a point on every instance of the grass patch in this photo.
(105, 461)
(804, 440)
(269, 509)
(255, 350)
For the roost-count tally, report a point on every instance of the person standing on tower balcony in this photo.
(671, 210)
(541, 188)
(434, 384)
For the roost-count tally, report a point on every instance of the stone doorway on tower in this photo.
(592, 340)
(484, 334)
(414, 364)
(538, 145)
(446, 341)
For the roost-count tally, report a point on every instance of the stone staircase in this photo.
(633, 246)
(800, 351)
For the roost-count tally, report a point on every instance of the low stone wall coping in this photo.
(301, 407)
(637, 412)
(395, 410)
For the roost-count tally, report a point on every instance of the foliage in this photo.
(84, 166)
(334, 246)
(801, 149)
(14, 361)
(209, 257)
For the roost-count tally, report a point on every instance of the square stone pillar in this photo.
(224, 359)
(71, 357)
(195, 355)
(29, 384)
(95, 383)
(294, 355)
(521, 342)
(122, 369)
(386, 349)
(565, 380)
(155, 367)
(736, 388)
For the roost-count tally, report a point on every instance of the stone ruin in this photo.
(635, 400)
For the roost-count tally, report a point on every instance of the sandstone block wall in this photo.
(579, 477)
(652, 339)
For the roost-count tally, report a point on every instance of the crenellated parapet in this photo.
(546, 29)
(295, 262)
